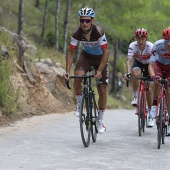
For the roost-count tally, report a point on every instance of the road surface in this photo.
(53, 142)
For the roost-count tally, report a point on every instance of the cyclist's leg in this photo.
(158, 71)
(102, 94)
(136, 72)
(81, 68)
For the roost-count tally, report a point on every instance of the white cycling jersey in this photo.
(142, 57)
(160, 53)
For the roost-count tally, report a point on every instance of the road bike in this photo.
(162, 118)
(141, 107)
(88, 109)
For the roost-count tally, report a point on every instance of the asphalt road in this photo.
(53, 142)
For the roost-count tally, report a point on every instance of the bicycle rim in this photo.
(159, 124)
(165, 107)
(140, 114)
(84, 122)
(94, 114)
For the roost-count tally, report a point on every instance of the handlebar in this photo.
(82, 77)
(147, 79)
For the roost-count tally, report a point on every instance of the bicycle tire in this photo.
(84, 121)
(94, 115)
(165, 108)
(159, 123)
(140, 116)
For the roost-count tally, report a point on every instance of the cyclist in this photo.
(159, 62)
(138, 57)
(95, 53)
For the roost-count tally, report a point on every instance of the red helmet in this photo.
(141, 32)
(166, 33)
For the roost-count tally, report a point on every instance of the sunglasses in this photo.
(85, 20)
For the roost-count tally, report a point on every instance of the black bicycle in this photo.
(88, 109)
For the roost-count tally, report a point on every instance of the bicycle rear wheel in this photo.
(141, 119)
(94, 115)
(85, 123)
(159, 123)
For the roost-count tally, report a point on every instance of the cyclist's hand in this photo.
(98, 75)
(156, 78)
(66, 76)
(127, 76)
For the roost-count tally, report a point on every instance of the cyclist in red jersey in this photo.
(95, 53)
(139, 53)
(159, 62)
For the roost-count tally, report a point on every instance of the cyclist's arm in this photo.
(151, 69)
(69, 60)
(104, 59)
(129, 64)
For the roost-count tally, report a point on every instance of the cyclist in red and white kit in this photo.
(138, 58)
(95, 53)
(159, 62)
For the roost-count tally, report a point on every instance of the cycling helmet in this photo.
(86, 12)
(166, 33)
(141, 32)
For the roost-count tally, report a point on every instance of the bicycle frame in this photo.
(161, 112)
(142, 89)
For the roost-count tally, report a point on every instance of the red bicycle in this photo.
(162, 118)
(141, 107)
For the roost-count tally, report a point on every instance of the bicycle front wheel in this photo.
(159, 123)
(85, 124)
(141, 119)
(94, 115)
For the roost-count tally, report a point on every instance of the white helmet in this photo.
(86, 12)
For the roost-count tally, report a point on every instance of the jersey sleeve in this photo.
(130, 51)
(73, 43)
(154, 54)
(103, 42)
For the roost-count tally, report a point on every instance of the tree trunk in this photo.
(113, 85)
(37, 3)
(20, 17)
(44, 20)
(66, 26)
(56, 23)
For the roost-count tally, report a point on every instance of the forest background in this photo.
(48, 24)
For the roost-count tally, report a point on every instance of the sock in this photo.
(101, 113)
(79, 96)
(135, 94)
(155, 101)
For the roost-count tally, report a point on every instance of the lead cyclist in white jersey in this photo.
(138, 58)
(160, 61)
(95, 53)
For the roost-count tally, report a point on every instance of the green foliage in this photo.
(8, 98)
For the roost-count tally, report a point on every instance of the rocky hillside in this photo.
(40, 85)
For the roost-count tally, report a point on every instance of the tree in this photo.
(44, 20)
(37, 3)
(56, 23)
(66, 26)
(20, 17)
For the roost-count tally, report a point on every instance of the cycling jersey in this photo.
(134, 52)
(159, 53)
(95, 45)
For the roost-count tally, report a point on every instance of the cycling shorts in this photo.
(86, 61)
(143, 67)
(159, 68)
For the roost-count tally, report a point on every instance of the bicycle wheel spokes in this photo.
(85, 124)
(159, 123)
(94, 114)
